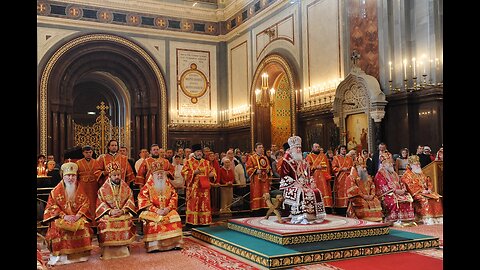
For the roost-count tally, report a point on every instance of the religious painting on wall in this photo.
(357, 132)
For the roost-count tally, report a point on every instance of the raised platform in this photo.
(275, 256)
(332, 228)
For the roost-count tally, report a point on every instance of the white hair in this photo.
(70, 191)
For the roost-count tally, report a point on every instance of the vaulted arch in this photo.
(110, 66)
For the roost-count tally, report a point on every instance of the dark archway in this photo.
(89, 68)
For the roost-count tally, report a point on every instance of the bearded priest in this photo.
(158, 202)
(299, 186)
(114, 213)
(426, 202)
(67, 213)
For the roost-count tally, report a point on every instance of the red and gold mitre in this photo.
(157, 166)
(294, 141)
(386, 157)
(112, 167)
(361, 160)
(413, 159)
(69, 168)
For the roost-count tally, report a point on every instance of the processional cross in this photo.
(103, 119)
(355, 57)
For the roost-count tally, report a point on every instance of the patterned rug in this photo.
(200, 255)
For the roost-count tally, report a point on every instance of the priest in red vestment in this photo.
(426, 202)
(396, 201)
(320, 169)
(145, 169)
(197, 173)
(259, 171)
(299, 187)
(341, 166)
(86, 178)
(67, 214)
(113, 156)
(114, 213)
(157, 204)
(363, 202)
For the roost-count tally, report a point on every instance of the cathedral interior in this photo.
(232, 73)
(228, 74)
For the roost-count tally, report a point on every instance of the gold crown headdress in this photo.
(113, 166)
(69, 168)
(157, 166)
(295, 141)
(413, 159)
(386, 157)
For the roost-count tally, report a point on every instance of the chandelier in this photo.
(265, 97)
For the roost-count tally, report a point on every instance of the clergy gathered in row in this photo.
(98, 193)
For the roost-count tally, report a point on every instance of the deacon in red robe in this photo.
(341, 166)
(145, 169)
(113, 156)
(260, 173)
(197, 171)
(320, 169)
(86, 178)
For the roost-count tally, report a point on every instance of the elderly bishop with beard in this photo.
(426, 202)
(362, 201)
(299, 190)
(115, 206)
(67, 212)
(396, 201)
(158, 201)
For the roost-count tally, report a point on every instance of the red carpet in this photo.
(199, 255)
(398, 261)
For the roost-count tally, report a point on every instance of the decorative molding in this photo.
(273, 33)
(150, 13)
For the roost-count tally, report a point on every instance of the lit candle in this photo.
(437, 63)
(424, 69)
(405, 69)
(390, 70)
(413, 66)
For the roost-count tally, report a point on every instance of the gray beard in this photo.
(70, 191)
(417, 170)
(363, 175)
(159, 184)
(297, 156)
(389, 169)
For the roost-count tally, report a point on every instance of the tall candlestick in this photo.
(431, 62)
(390, 70)
(413, 66)
(404, 69)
